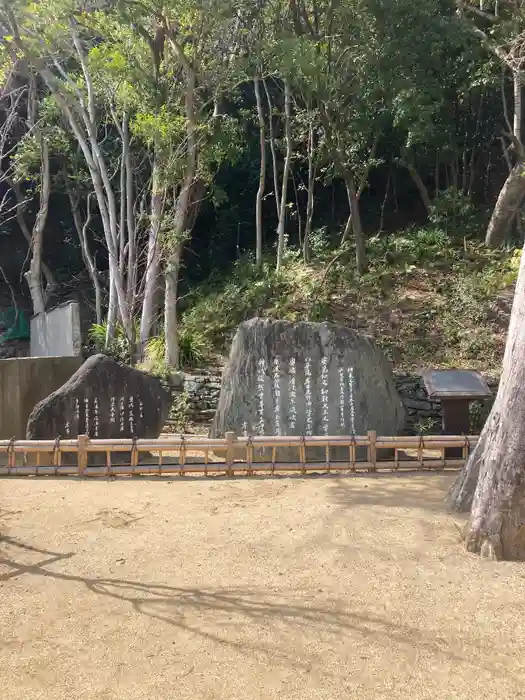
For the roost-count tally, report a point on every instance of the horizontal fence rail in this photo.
(231, 455)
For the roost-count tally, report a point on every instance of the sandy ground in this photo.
(324, 588)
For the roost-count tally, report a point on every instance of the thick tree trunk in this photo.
(461, 494)
(497, 521)
(508, 204)
(262, 173)
(281, 229)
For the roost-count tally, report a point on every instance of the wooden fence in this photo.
(184, 455)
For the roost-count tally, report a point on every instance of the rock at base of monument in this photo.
(105, 400)
(287, 378)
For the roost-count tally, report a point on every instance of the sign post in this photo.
(456, 389)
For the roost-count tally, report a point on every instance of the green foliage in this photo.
(456, 213)
(442, 291)
(361, 72)
(411, 247)
(319, 242)
(118, 348)
(427, 426)
(194, 350)
(179, 412)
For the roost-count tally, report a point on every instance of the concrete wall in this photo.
(57, 332)
(26, 381)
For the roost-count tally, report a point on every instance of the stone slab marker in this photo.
(306, 379)
(57, 333)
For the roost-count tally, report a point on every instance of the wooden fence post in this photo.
(82, 454)
(230, 452)
(372, 450)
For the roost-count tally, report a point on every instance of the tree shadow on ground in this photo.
(427, 491)
(241, 607)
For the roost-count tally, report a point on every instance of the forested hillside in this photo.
(180, 165)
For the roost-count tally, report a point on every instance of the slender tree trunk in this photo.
(354, 221)
(354, 217)
(262, 173)
(182, 214)
(22, 223)
(512, 193)
(518, 110)
(89, 260)
(281, 229)
(297, 209)
(82, 118)
(385, 200)
(158, 194)
(130, 219)
(171, 317)
(272, 149)
(35, 268)
(497, 521)
(122, 215)
(311, 192)
(421, 187)
(111, 325)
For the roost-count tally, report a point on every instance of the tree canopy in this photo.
(146, 143)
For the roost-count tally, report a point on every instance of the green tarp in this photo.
(13, 325)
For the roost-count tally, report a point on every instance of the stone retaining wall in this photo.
(422, 414)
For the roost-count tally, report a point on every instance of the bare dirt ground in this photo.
(288, 588)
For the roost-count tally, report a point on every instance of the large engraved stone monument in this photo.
(103, 399)
(306, 379)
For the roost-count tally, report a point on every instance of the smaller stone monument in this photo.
(103, 399)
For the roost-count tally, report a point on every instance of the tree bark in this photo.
(496, 528)
(111, 325)
(281, 228)
(22, 223)
(354, 217)
(512, 193)
(354, 221)
(311, 191)
(171, 316)
(461, 494)
(89, 260)
(509, 201)
(262, 173)
(37, 238)
(421, 187)
(184, 206)
(147, 320)
(517, 85)
(273, 151)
